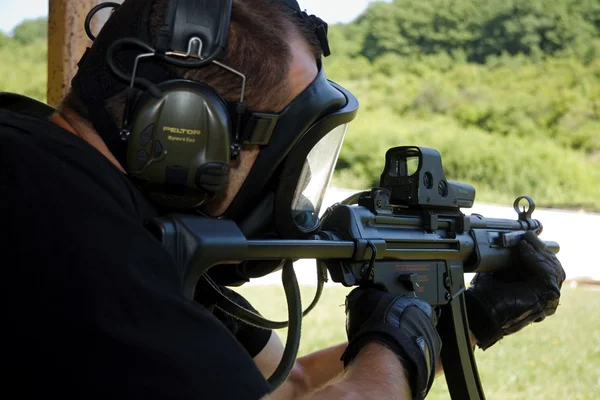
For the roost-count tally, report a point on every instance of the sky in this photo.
(12, 12)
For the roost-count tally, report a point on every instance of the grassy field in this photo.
(556, 359)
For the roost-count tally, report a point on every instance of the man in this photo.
(94, 303)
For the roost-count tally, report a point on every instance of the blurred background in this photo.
(507, 91)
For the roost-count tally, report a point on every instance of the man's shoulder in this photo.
(36, 155)
(26, 122)
(26, 127)
(22, 104)
(22, 115)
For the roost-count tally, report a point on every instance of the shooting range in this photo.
(550, 360)
(67, 41)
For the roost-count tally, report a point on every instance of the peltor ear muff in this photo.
(177, 138)
(180, 142)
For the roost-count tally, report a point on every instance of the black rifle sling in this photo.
(251, 318)
(292, 343)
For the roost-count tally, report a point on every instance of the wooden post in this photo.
(67, 41)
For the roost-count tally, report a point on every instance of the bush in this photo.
(24, 69)
(479, 29)
(30, 31)
(557, 99)
(501, 168)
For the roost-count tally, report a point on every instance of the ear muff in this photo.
(179, 147)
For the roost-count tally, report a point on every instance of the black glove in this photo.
(252, 338)
(502, 303)
(405, 325)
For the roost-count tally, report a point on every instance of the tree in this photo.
(4, 40)
(31, 30)
(480, 28)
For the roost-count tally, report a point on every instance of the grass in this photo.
(556, 359)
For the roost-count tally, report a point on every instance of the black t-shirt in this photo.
(92, 303)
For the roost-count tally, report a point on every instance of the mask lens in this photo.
(315, 177)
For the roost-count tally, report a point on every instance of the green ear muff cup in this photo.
(180, 144)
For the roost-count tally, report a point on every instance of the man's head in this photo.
(274, 48)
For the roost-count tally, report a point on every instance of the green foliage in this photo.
(509, 92)
(24, 59)
(30, 31)
(478, 28)
(4, 39)
(23, 69)
(500, 167)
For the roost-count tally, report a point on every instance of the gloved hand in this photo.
(502, 303)
(252, 338)
(405, 325)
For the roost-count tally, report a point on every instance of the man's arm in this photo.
(321, 367)
(310, 372)
(393, 349)
(375, 373)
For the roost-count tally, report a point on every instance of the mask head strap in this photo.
(195, 28)
(319, 26)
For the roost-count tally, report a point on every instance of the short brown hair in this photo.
(257, 46)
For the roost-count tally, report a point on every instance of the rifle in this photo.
(408, 236)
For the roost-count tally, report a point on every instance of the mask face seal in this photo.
(317, 111)
(307, 172)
